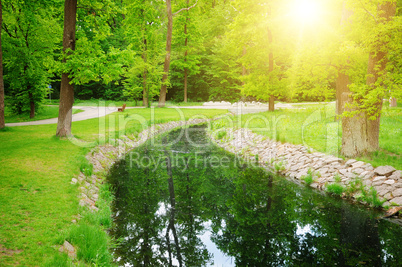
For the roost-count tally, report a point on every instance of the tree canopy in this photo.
(292, 50)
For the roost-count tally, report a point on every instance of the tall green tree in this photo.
(166, 65)
(144, 37)
(30, 38)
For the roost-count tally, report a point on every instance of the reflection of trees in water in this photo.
(255, 218)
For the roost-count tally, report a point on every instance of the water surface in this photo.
(181, 201)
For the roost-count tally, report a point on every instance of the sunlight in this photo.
(306, 11)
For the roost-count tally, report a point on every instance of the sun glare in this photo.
(306, 11)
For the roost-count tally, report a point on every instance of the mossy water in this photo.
(181, 201)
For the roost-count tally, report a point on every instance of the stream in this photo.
(181, 201)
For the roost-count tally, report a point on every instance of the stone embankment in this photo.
(297, 161)
(104, 156)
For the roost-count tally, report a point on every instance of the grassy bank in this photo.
(37, 200)
(316, 127)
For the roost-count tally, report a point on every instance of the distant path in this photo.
(89, 113)
(245, 108)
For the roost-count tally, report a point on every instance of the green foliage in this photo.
(371, 198)
(279, 166)
(30, 36)
(85, 166)
(221, 134)
(335, 188)
(309, 178)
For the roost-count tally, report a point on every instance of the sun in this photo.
(306, 11)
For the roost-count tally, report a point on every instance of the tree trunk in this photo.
(185, 56)
(360, 134)
(162, 96)
(31, 104)
(392, 102)
(244, 70)
(2, 121)
(342, 81)
(66, 88)
(145, 93)
(271, 106)
(172, 198)
(342, 86)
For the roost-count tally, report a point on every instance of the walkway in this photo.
(90, 112)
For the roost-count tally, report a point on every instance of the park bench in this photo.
(122, 108)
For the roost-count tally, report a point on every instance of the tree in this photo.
(2, 122)
(30, 38)
(67, 88)
(166, 65)
(144, 39)
(361, 128)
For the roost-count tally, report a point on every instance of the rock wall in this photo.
(296, 161)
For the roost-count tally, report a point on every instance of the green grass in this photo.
(317, 128)
(37, 200)
(46, 112)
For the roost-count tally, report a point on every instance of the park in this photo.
(200, 133)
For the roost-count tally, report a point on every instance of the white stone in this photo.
(350, 162)
(358, 170)
(390, 182)
(378, 178)
(74, 181)
(397, 200)
(358, 164)
(396, 175)
(397, 193)
(384, 170)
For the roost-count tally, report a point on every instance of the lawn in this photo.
(45, 112)
(37, 200)
(316, 127)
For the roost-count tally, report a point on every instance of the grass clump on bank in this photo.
(38, 201)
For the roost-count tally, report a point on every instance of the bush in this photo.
(309, 178)
(335, 188)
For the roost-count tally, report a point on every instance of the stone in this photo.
(397, 192)
(398, 185)
(388, 196)
(396, 175)
(383, 192)
(323, 170)
(384, 170)
(74, 181)
(358, 171)
(358, 164)
(350, 162)
(378, 178)
(67, 247)
(397, 201)
(343, 171)
(330, 160)
(368, 167)
(390, 182)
